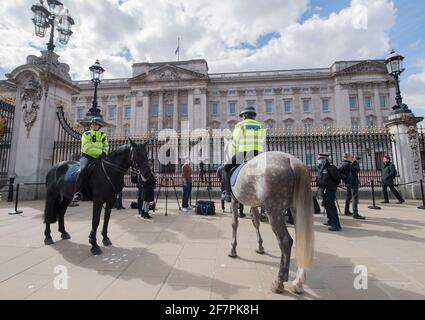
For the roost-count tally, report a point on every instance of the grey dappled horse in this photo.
(277, 181)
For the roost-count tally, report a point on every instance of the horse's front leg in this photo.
(61, 219)
(256, 222)
(47, 236)
(97, 210)
(106, 241)
(235, 223)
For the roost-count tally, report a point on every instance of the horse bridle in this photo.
(134, 168)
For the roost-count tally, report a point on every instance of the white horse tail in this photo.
(304, 222)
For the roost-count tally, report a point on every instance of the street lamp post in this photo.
(96, 77)
(50, 17)
(394, 63)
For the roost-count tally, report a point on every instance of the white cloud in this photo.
(413, 90)
(214, 30)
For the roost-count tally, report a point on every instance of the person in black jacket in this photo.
(349, 174)
(146, 193)
(328, 179)
(389, 173)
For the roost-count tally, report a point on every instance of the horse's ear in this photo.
(133, 144)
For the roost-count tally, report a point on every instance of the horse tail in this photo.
(304, 224)
(52, 197)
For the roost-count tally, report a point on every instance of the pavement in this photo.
(184, 256)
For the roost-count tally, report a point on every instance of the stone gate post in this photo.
(406, 152)
(43, 84)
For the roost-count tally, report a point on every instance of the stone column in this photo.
(133, 111)
(377, 104)
(406, 152)
(341, 105)
(176, 111)
(190, 110)
(120, 112)
(360, 103)
(161, 110)
(43, 84)
(203, 110)
(145, 111)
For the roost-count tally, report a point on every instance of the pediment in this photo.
(168, 72)
(365, 67)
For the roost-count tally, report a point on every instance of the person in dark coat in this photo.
(146, 194)
(328, 179)
(389, 173)
(349, 174)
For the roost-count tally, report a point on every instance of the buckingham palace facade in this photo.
(163, 95)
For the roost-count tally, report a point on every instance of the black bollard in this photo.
(423, 197)
(10, 194)
(16, 202)
(373, 206)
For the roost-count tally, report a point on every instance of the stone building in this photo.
(162, 95)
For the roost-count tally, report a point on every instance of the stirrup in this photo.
(228, 198)
(77, 197)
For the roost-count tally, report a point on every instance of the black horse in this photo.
(105, 182)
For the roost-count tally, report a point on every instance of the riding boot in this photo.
(228, 191)
(78, 187)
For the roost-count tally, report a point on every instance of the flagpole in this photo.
(178, 46)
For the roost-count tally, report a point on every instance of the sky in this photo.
(238, 35)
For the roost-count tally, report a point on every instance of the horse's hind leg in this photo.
(235, 223)
(277, 222)
(256, 222)
(97, 210)
(106, 241)
(61, 218)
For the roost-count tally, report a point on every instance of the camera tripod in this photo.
(169, 182)
(202, 178)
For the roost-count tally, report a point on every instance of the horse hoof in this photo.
(260, 251)
(65, 236)
(232, 255)
(96, 251)
(107, 242)
(48, 241)
(298, 288)
(277, 288)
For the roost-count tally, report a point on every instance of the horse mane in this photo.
(118, 151)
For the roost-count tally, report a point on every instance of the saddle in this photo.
(234, 173)
(72, 173)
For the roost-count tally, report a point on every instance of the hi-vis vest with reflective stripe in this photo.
(248, 136)
(94, 143)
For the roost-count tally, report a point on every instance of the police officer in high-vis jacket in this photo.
(248, 140)
(94, 144)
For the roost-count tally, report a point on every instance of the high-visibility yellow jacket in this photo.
(94, 143)
(248, 136)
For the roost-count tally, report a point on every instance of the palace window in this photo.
(383, 101)
(325, 105)
(155, 110)
(126, 130)
(127, 112)
(368, 102)
(170, 108)
(306, 105)
(269, 106)
(232, 108)
(355, 123)
(353, 102)
(80, 113)
(183, 108)
(214, 108)
(112, 111)
(287, 106)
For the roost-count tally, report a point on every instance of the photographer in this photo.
(187, 185)
(328, 180)
(146, 193)
(349, 174)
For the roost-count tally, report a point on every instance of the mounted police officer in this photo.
(94, 145)
(248, 141)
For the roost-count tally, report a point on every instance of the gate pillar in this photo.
(43, 83)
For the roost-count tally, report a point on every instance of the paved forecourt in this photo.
(184, 256)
